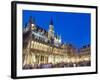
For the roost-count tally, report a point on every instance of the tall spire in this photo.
(51, 22)
(51, 27)
(32, 23)
(31, 20)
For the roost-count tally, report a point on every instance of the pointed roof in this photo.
(51, 22)
(31, 20)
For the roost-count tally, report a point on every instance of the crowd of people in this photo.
(57, 65)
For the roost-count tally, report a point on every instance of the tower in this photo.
(51, 31)
(32, 23)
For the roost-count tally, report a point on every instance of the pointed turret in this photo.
(51, 22)
(31, 20)
(32, 23)
(51, 31)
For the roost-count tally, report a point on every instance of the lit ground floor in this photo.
(40, 60)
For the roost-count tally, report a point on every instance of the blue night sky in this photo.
(74, 28)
